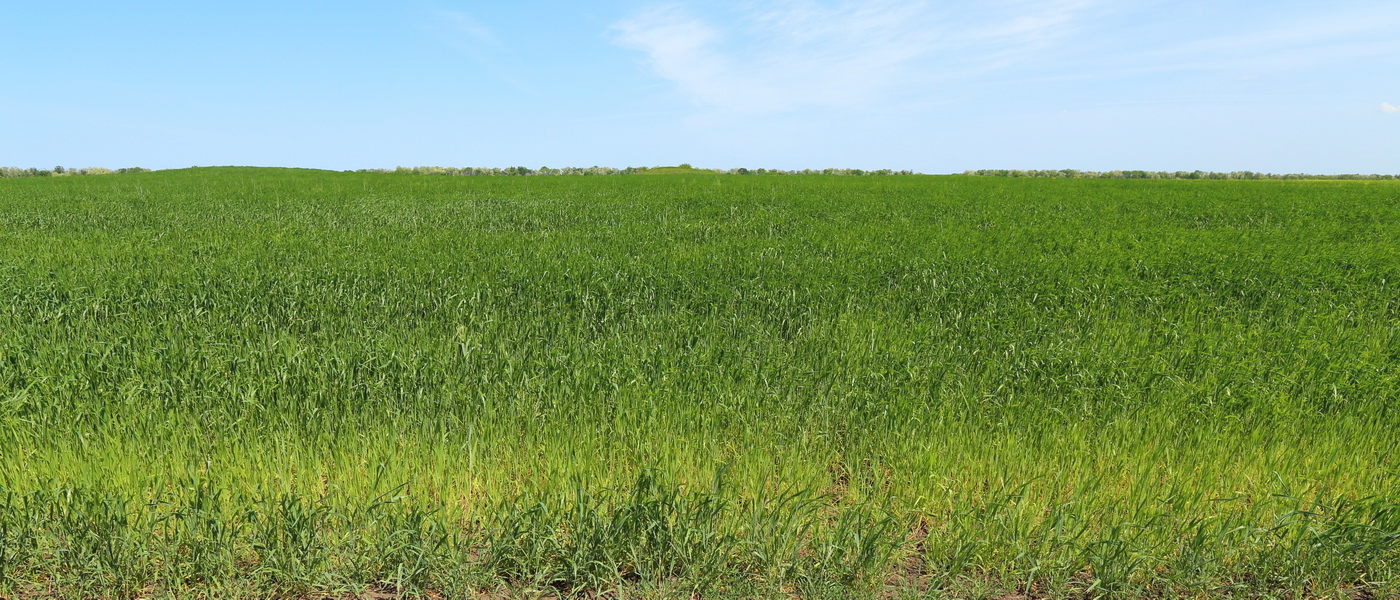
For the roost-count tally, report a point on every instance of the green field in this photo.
(260, 382)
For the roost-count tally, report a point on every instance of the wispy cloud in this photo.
(774, 56)
(467, 35)
(1390, 108)
(1294, 43)
(779, 55)
(468, 28)
(474, 39)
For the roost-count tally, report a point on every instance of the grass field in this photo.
(258, 382)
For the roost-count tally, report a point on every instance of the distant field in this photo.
(259, 382)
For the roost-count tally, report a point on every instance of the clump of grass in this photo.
(599, 540)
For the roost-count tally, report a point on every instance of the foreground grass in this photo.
(246, 382)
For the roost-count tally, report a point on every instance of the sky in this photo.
(1281, 86)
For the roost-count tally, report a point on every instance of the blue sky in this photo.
(936, 87)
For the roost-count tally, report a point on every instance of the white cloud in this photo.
(1390, 108)
(778, 55)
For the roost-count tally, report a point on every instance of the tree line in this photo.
(59, 171)
(507, 171)
(857, 172)
(596, 170)
(489, 171)
(1247, 175)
